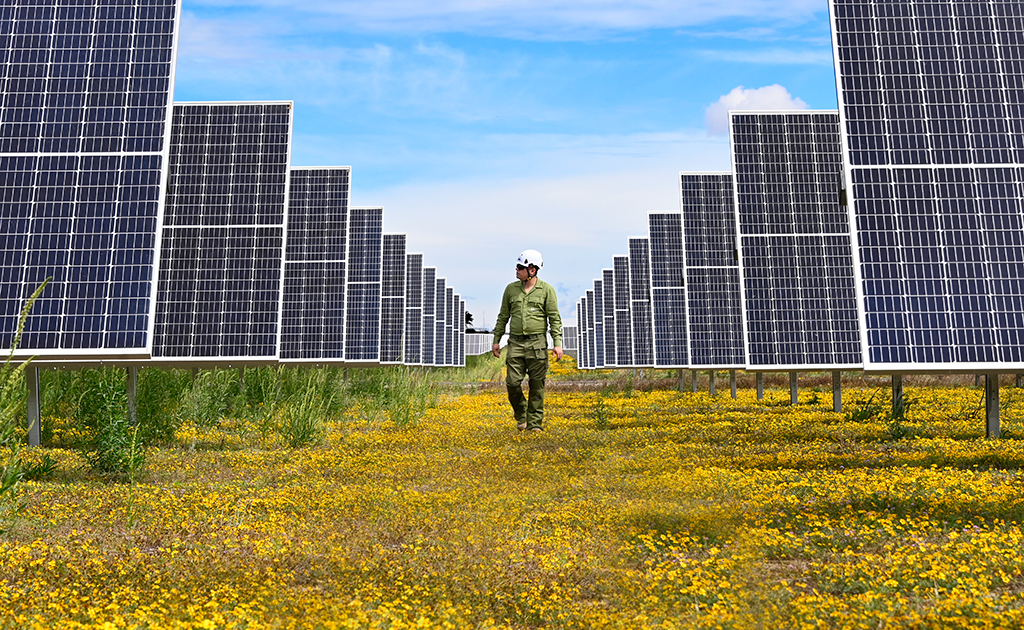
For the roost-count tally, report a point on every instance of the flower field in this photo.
(633, 510)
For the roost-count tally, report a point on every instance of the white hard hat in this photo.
(531, 257)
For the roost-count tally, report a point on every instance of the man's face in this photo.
(523, 273)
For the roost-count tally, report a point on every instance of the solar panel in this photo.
(460, 353)
(363, 287)
(640, 304)
(588, 310)
(313, 312)
(608, 308)
(414, 309)
(84, 141)
(796, 262)
(569, 339)
(440, 321)
(449, 326)
(714, 299)
(429, 314)
(931, 97)
(623, 322)
(668, 290)
(392, 300)
(219, 292)
(598, 306)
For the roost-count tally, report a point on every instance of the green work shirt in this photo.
(529, 313)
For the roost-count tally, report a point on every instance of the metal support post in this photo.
(732, 383)
(711, 382)
(992, 406)
(130, 389)
(760, 385)
(195, 372)
(837, 392)
(794, 393)
(897, 396)
(32, 406)
(1020, 381)
(977, 380)
(693, 381)
(682, 380)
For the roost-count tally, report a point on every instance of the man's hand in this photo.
(558, 353)
(496, 350)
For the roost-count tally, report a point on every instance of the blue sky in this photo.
(485, 127)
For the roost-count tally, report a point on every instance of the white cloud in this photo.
(770, 97)
(774, 56)
(532, 18)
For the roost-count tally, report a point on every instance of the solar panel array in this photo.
(219, 289)
(931, 97)
(794, 242)
(84, 140)
(413, 341)
(711, 267)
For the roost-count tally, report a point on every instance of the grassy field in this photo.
(635, 509)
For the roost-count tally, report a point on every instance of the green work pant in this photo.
(527, 359)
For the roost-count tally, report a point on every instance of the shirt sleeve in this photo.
(554, 318)
(503, 315)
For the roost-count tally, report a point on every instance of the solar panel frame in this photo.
(313, 321)
(934, 180)
(640, 310)
(712, 271)
(670, 318)
(812, 238)
(623, 320)
(364, 285)
(414, 309)
(460, 353)
(598, 306)
(429, 315)
(190, 321)
(449, 326)
(581, 318)
(392, 309)
(108, 217)
(440, 321)
(608, 308)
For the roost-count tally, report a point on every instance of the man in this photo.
(530, 306)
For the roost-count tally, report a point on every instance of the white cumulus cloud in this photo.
(770, 97)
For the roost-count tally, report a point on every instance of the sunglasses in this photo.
(520, 267)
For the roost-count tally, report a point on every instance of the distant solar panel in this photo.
(363, 288)
(440, 321)
(598, 306)
(608, 308)
(429, 314)
(714, 298)
(84, 141)
(219, 293)
(392, 300)
(460, 353)
(570, 342)
(795, 250)
(588, 310)
(313, 313)
(640, 302)
(414, 309)
(623, 321)
(668, 290)
(449, 326)
(931, 97)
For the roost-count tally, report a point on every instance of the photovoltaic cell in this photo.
(570, 341)
(392, 307)
(640, 305)
(931, 97)
(714, 300)
(84, 140)
(440, 321)
(795, 249)
(313, 313)
(363, 288)
(429, 314)
(668, 291)
(219, 292)
(449, 326)
(414, 309)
